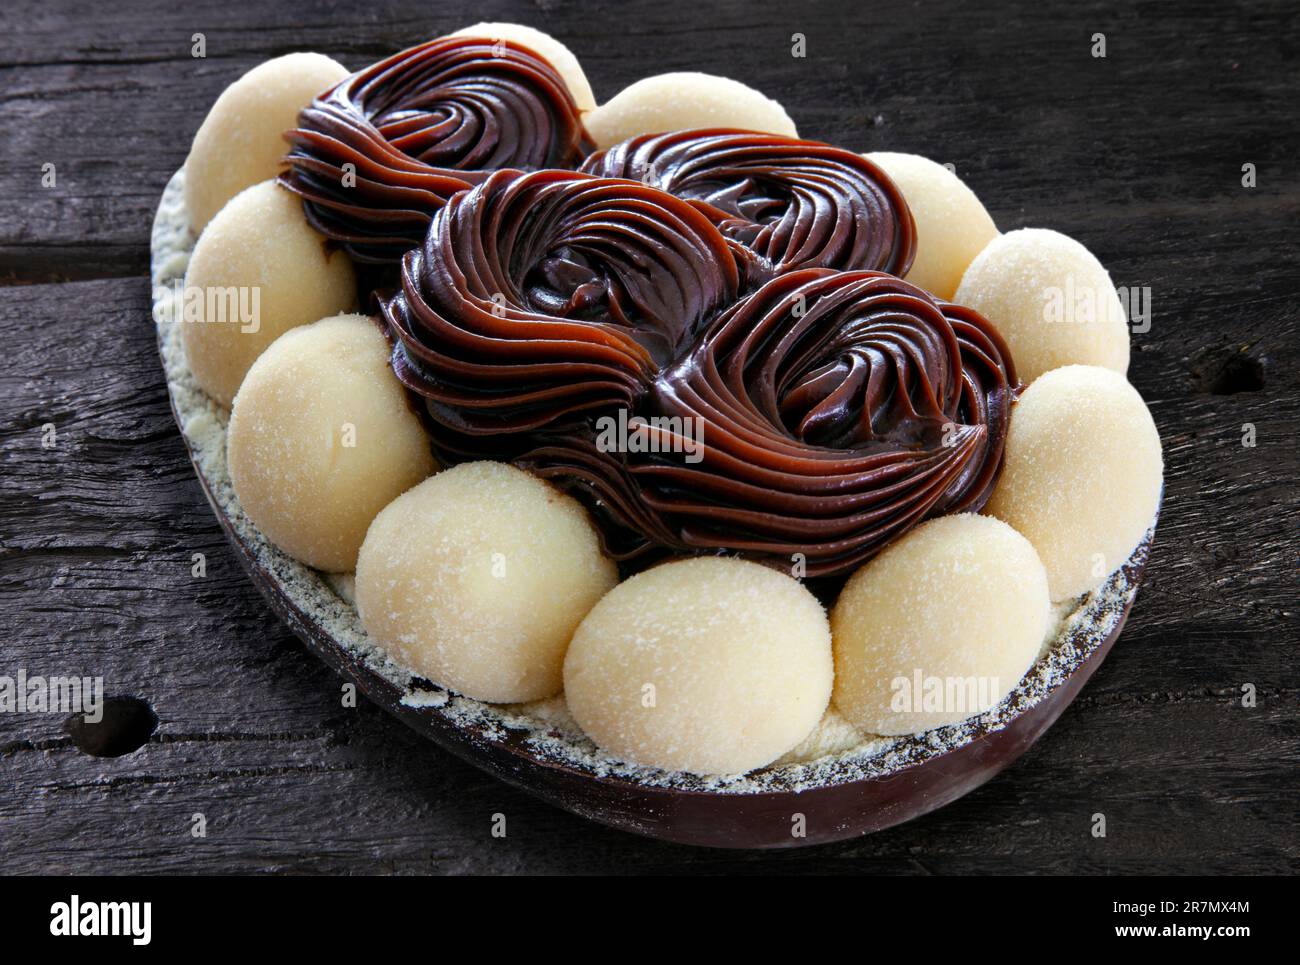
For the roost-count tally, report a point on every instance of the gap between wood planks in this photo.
(1085, 701)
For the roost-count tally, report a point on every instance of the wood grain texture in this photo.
(1138, 155)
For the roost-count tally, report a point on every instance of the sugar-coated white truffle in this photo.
(1051, 299)
(241, 141)
(476, 579)
(708, 665)
(257, 271)
(952, 226)
(559, 56)
(682, 101)
(1082, 475)
(322, 438)
(939, 627)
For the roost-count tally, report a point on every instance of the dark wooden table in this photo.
(1139, 155)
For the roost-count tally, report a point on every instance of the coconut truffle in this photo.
(1051, 299)
(322, 438)
(476, 579)
(709, 665)
(257, 271)
(952, 226)
(241, 141)
(939, 627)
(559, 56)
(1082, 475)
(685, 100)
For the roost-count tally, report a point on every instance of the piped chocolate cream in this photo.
(789, 203)
(813, 420)
(376, 155)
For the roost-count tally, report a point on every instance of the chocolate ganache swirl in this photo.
(539, 297)
(831, 412)
(791, 203)
(420, 126)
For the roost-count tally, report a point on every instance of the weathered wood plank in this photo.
(1138, 155)
(112, 97)
(98, 537)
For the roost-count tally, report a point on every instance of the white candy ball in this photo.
(257, 271)
(708, 665)
(551, 50)
(476, 579)
(939, 627)
(952, 226)
(1082, 476)
(241, 141)
(322, 438)
(1052, 301)
(682, 101)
